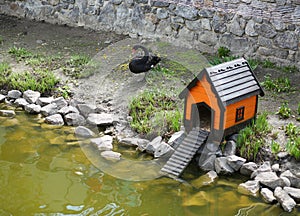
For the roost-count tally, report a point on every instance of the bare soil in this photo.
(48, 39)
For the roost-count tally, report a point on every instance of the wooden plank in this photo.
(225, 74)
(235, 83)
(239, 93)
(237, 88)
(234, 77)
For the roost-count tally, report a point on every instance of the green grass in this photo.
(75, 65)
(5, 71)
(293, 144)
(20, 53)
(41, 80)
(251, 138)
(284, 111)
(281, 84)
(155, 112)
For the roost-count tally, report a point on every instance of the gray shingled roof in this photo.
(234, 81)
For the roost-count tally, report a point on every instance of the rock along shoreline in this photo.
(275, 183)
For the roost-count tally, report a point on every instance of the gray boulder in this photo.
(230, 148)
(250, 187)
(31, 96)
(103, 143)
(265, 167)
(55, 119)
(103, 119)
(153, 145)
(111, 155)
(68, 109)
(49, 109)
(14, 94)
(82, 131)
(293, 192)
(163, 150)
(248, 168)
(59, 102)
(43, 101)
(270, 180)
(284, 199)
(222, 166)
(2, 98)
(32, 108)
(86, 109)
(295, 181)
(175, 136)
(268, 195)
(21, 102)
(133, 141)
(142, 144)
(235, 162)
(204, 180)
(74, 119)
(7, 113)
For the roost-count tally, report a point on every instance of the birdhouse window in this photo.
(239, 114)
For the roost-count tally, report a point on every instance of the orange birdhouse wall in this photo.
(250, 106)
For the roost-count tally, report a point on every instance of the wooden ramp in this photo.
(185, 152)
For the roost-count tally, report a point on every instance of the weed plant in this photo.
(41, 80)
(20, 53)
(5, 71)
(284, 111)
(281, 84)
(275, 147)
(251, 138)
(74, 66)
(293, 143)
(155, 112)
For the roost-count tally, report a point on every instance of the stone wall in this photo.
(263, 29)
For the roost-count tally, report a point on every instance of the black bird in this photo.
(143, 63)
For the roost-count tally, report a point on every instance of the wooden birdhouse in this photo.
(222, 99)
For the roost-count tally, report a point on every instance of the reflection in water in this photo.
(43, 175)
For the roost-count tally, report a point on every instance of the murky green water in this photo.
(43, 171)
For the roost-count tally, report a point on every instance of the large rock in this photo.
(187, 12)
(270, 180)
(235, 162)
(82, 131)
(111, 155)
(31, 96)
(265, 167)
(59, 102)
(268, 195)
(14, 94)
(7, 113)
(55, 119)
(49, 109)
(103, 143)
(250, 187)
(295, 181)
(32, 108)
(293, 192)
(68, 109)
(133, 141)
(204, 180)
(86, 109)
(43, 101)
(248, 168)
(163, 149)
(103, 119)
(153, 145)
(230, 148)
(2, 98)
(74, 119)
(21, 102)
(284, 199)
(222, 166)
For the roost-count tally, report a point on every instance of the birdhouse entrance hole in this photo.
(202, 116)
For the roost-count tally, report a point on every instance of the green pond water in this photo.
(45, 171)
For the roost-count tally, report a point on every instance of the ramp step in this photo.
(185, 152)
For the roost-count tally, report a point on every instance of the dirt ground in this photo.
(48, 39)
